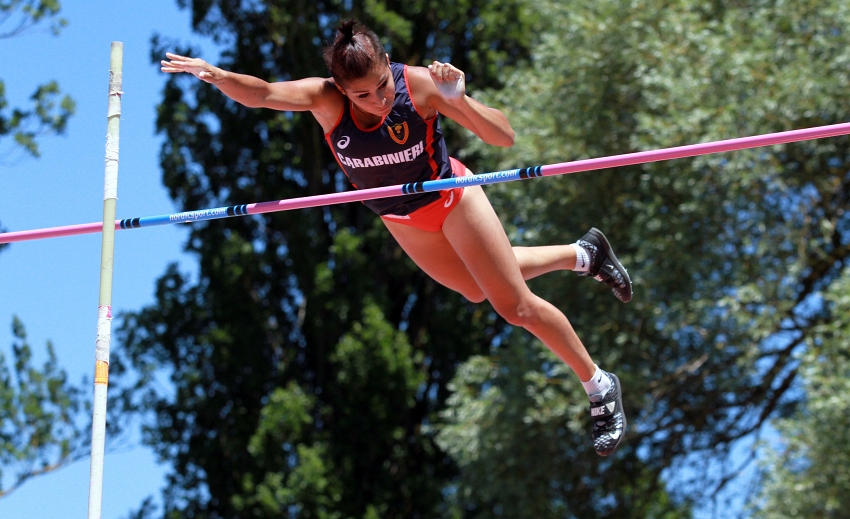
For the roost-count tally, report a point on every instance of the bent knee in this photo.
(473, 296)
(469, 290)
(522, 312)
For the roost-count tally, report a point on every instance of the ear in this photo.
(340, 88)
(388, 59)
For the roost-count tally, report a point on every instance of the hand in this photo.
(450, 80)
(195, 66)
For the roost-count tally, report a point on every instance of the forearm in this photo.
(489, 124)
(242, 88)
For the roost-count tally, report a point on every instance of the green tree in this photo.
(311, 364)
(729, 254)
(308, 357)
(49, 113)
(806, 471)
(18, 16)
(39, 414)
(39, 409)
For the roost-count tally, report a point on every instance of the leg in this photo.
(535, 261)
(532, 261)
(433, 253)
(476, 235)
(472, 255)
(604, 265)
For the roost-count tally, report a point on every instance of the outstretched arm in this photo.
(317, 95)
(447, 94)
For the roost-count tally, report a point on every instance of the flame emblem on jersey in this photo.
(399, 132)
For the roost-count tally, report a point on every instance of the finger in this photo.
(166, 66)
(451, 72)
(445, 71)
(436, 70)
(183, 61)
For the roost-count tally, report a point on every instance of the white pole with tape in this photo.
(104, 308)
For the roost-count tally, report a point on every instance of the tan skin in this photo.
(471, 254)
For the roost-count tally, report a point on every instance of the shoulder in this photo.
(419, 78)
(422, 89)
(329, 102)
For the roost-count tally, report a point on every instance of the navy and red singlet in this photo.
(403, 148)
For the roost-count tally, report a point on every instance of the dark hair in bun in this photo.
(354, 53)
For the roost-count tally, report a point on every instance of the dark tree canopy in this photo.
(317, 373)
(730, 254)
(309, 358)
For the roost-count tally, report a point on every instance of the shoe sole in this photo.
(620, 268)
(616, 382)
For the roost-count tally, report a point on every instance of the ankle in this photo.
(582, 261)
(598, 385)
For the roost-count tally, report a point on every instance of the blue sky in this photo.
(52, 285)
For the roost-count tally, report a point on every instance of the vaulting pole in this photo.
(104, 308)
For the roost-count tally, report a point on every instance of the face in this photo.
(373, 93)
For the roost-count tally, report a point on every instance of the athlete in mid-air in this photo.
(380, 120)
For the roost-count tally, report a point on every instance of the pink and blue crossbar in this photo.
(563, 168)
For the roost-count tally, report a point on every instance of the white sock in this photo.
(599, 383)
(582, 259)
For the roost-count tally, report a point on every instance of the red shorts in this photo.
(431, 217)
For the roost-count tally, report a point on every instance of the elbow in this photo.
(506, 139)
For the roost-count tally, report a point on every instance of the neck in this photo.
(364, 119)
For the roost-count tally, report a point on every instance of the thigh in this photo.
(476, 235)
(433, 253)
